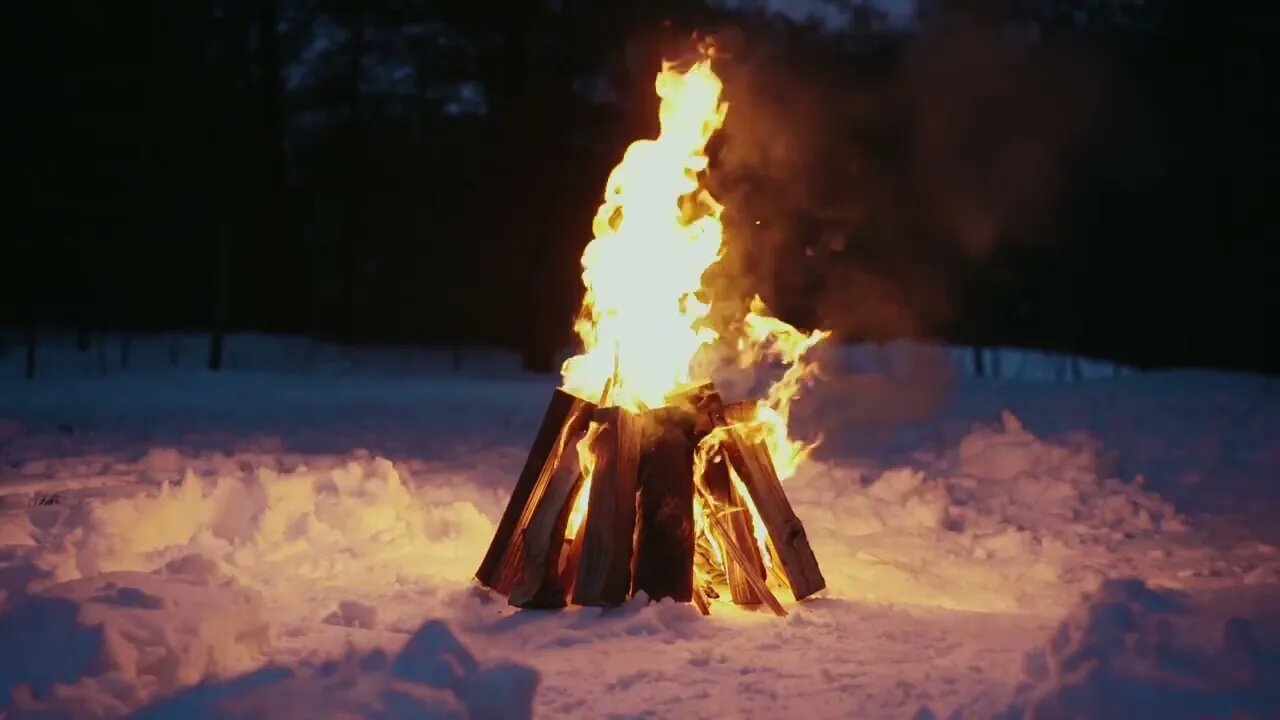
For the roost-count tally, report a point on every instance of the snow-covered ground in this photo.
(295, 537)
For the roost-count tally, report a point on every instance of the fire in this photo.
(586, 464)
(643, 318)
(768, 337)
(656, 233)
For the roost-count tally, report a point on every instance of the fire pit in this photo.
(641, 477)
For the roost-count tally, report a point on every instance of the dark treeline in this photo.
(1083, 175)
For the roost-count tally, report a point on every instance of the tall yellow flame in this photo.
(656, 233)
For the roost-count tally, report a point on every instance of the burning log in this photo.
(664, 538)
(637, 523)
(787, 539)
(566, 418)
(740, 530)
(541, 584)
(638, 529)
(604, 569)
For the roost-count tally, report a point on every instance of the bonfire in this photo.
(642, 478)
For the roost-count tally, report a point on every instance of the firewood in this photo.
(740, 412)
(664, 535)
(604, 569)
(707, 568)
(708, 412)
(700, 602)
(540, 583)
(740, 528)
(734, 551)
(686, 398)
(787, 538)
(565, 419)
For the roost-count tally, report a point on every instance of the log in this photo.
(540, 583)
(566, 418)
(740, 412)
(604, 569)
(573, 551)
(688, 397)
(787, 539)
(708, 412)
(664, 534)
(708, 570)
(732, 550)
(713, 414)
(740, 527)
(700, 602)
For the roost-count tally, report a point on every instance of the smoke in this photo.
(863, 191)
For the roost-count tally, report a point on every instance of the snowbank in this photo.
(101, 646)
(155, 591)
(353, 522)
(434, 677)
(1004, 521)
(92, 671)
(1134, 653)
(214, 545)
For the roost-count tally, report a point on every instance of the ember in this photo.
(641, 478)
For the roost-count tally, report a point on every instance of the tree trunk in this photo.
(220, 297)
(31, 349)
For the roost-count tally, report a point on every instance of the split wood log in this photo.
(700, 602)
(664, 534)
(734, 551)
(566, 418)
(689, 397)
(540, 583)
(604, 569)
(569, 567)
(787, 538)
(740, 527)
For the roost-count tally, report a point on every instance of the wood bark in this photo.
(608, 531)
(540, 583)
(566, 418)
(664, 536)
(740, 526)
(787, 538)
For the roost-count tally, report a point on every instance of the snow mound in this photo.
(433, 677)
(1132, 653)
(358, 522)
(127, 597)
(1007, 475)
(98, 646)
(1003, 521)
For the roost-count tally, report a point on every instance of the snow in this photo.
(296, 537)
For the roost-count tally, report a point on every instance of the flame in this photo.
(643, 318)
(586, 464)
(656, 233)
(768, 337)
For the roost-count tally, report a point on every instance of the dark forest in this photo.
(1088, 176)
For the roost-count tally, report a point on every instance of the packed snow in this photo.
(296, 537)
